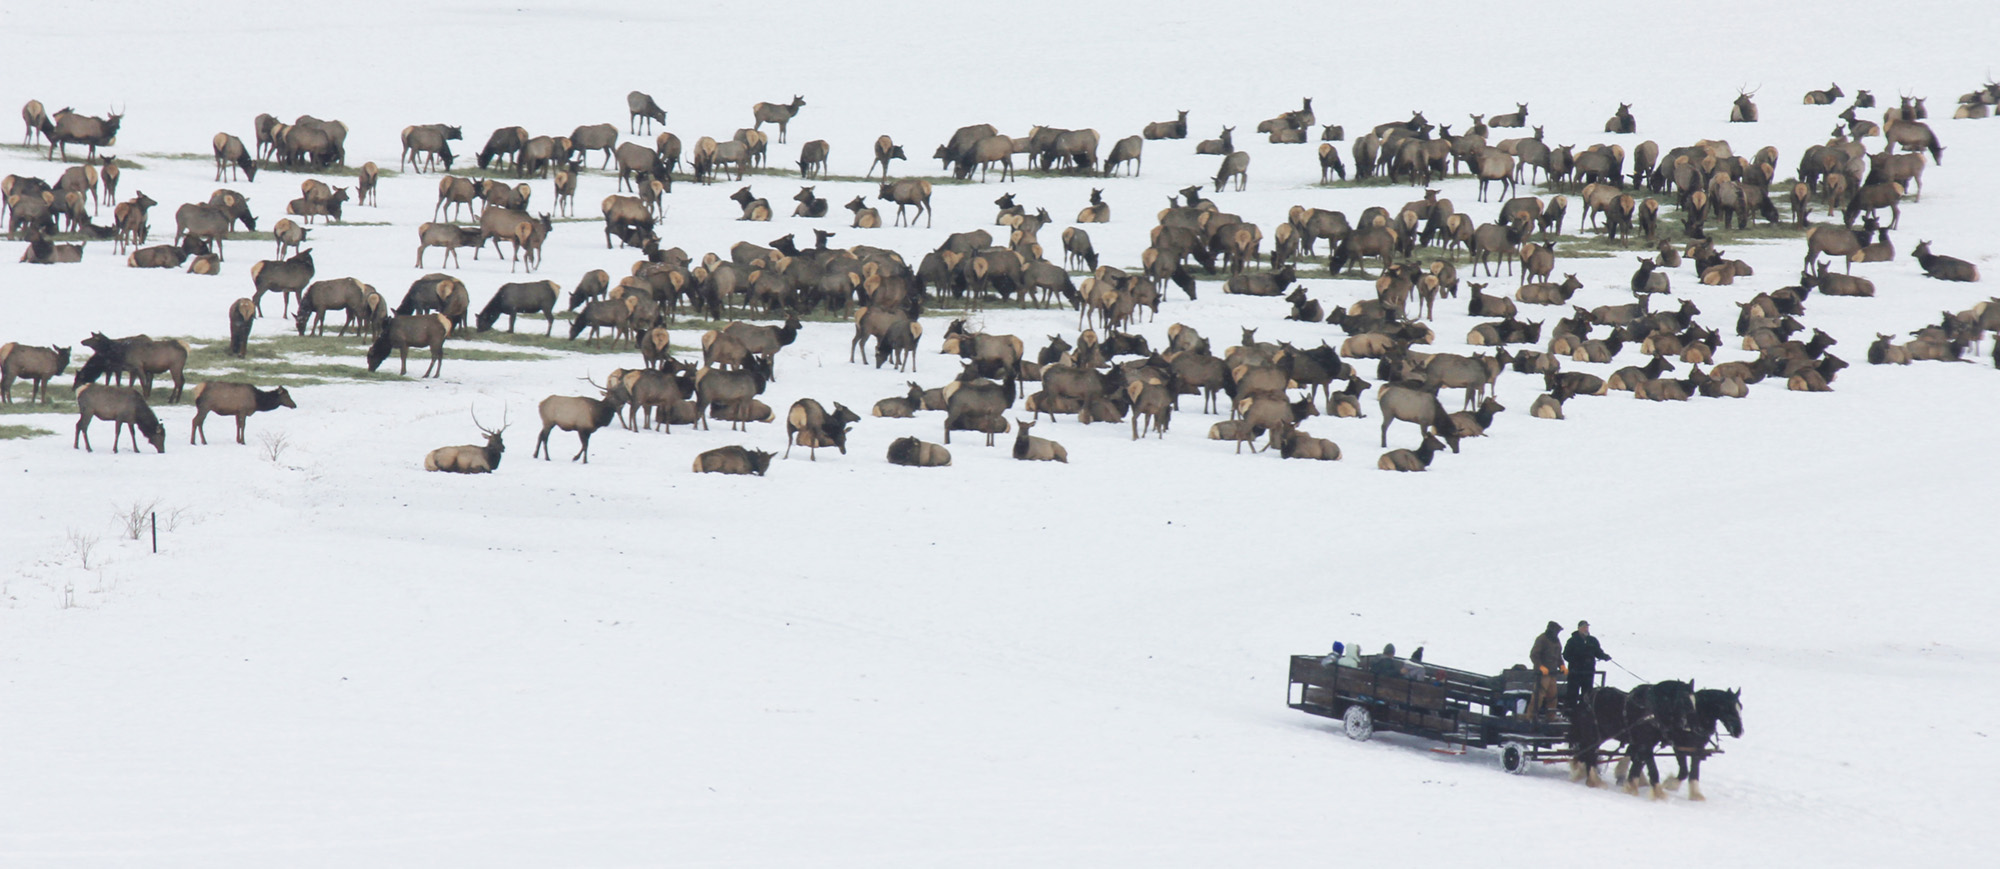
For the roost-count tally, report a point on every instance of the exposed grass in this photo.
(81, 156)
(339, 171)
(351, 223)
(62, 399)
(792, 172)
(17, 432)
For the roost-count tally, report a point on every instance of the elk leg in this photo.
(200, 415)
(241, 421)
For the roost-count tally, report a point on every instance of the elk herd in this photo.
(1677, 204)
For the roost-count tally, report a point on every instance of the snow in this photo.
(336, 659)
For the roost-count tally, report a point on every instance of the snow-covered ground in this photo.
(336, 659)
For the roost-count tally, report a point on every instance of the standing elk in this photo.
(33, 116)
(37, 365)
(813, 158)
(886, 149)
(730, 394)
(288, 235)
(233, 158)
(242, 313)
(574, 413)
(1236, 165)
(239, 400)
(592, 137)
(1126, 150)
(447, 236)
(808, 424)
(65, 127)
(470, 458)
(286, 277)
(122, 407)
(642, 107)
(777, 113)
(198, 220)
(338, 294)
(515, 299)
(907, 192)
(425, 145)
(415, 330)
(1419, 406)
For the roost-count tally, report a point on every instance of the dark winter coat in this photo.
(1547, 654)
(1582, 652)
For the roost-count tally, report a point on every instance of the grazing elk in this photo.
(813, 159)
(1235, 165)
(470, 458)
(515, 299)
(122, 407)
(242, 313)
(642, 107)
(886, 149)
(593, 137)
(414, 330)
(426, 145)
(777, 113)
(733, 459)
(233, 158)
(286, 277)
(1126, 150)
(239, 400)
(1419, 406)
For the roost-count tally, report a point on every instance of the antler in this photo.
(599, 386)
(476, 424)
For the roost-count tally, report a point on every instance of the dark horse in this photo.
(1712, 706)
(1642, 720)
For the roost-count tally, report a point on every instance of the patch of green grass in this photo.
(62, 399)
(17, 432)
(355, 223)
(339, 171)
(82, 156)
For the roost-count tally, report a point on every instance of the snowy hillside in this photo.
(337, 659)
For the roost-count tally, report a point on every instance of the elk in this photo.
(808, 424)
(1296, 444)
(593, 137)
(902, 406)
(642, 107)
(1742, 110)
(629, 219)
(730, 394)
(1028, 448)
(470, 458)
(65, 127)
(753, 207)
(447, 236)
(122, 407)
(1220, 146)
(1495, 165)
(1098, 211)
(813, 158)
(978, 405)
(907, 192)
(1236, 165)
(289, 235)
(339, 294)
(1154, 401)
(232, 157)
(1411, 461)
(239, 400)
(809, 204)
(427, 144)
(574, 413)
(1126, 150)
(913, 453)
(515, 299)
(413, 330)
(286, 276)
(36, 365)
(1622, 121)
(1833, 241)
(1517, 118)
(197, 220)
(886, 149)
(982, 155)
(130, 220)
(1419, 406)
(1944, 268)
(34, 117)
(733, 459)
(864, 217)
(524, 230)
(777, 113)
(1174, 129)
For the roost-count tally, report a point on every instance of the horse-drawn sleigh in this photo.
(1466, 710)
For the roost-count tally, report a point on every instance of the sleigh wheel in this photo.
(1514, 758)
(1359, 722)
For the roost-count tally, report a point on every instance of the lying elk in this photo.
(415, 330)
(1028, 448)
(1174, 129)
(777, 113)
(37, 365)
(1411, 460)
(1944, 268)
(122, 407)
(574, 413)
(470, 458)
(1823, 98)
(1516, 119)
(809, 204)
(733, 460)
(232, 157)
(1742, 110)
(864, 217)
(1220, 146)
(913, 453)
(239, 400)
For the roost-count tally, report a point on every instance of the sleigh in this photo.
(1460, 709)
